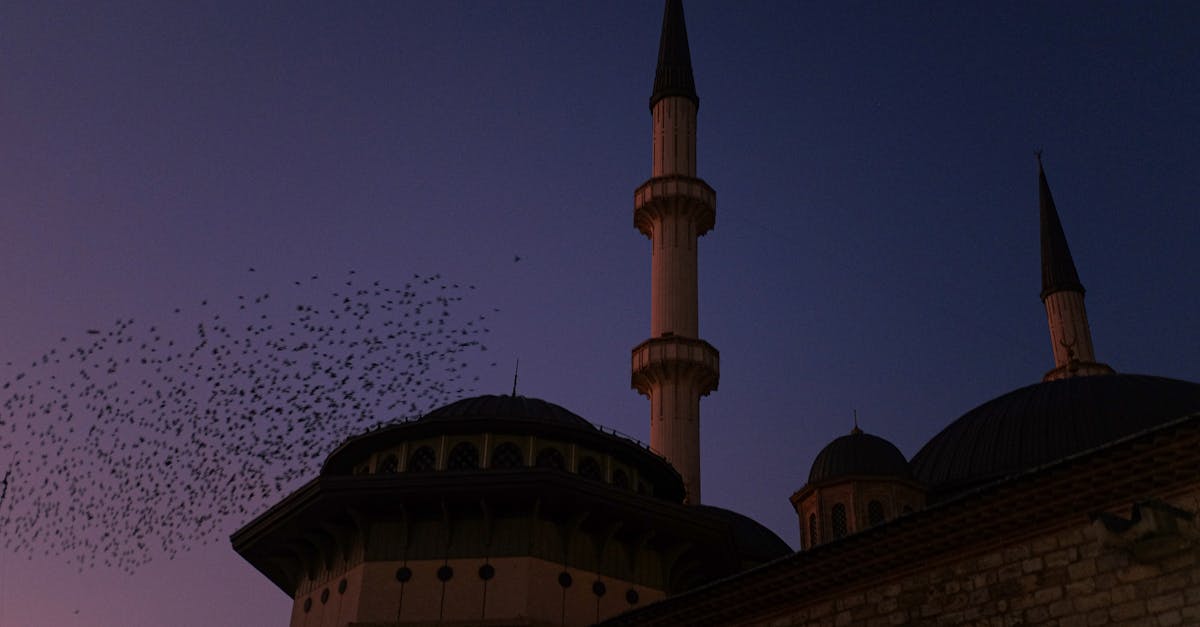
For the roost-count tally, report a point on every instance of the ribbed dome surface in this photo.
(859, 454)
(753, 540)
(509, 407)
(1046, 422)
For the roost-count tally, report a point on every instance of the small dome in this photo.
(1048, 421)
(508, 407)
(859, 454)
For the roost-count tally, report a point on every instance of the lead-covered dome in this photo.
(508, 407)
(859, 454)
(1045, 422)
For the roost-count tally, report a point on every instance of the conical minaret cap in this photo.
(674, 74)
(1058, 268)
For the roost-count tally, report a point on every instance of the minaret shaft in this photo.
(1069, 331)
(674, 368)
(674, 137)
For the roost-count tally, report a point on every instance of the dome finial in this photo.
(855, 430)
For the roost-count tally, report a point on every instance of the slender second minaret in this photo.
(1062, 293)
(674, 368)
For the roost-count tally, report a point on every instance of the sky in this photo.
(876, 246)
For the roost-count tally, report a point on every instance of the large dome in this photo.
(508, 407)
(859, 454)
(1046, 422)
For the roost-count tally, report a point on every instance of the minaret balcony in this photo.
(673, 357)
(664, 195)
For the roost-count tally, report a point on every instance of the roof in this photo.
(754, 542)
(1045, 422)
(511, 407)
(513, 415)
(673, 77)
(1156, 461)
(1058, 268)
(859, 454)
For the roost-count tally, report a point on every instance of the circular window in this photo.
(342, 587)
(307, 605)
(445, 573)
(403, 574)
(631, 596)
(564, 579)
(599, 588)
(486, 572)
(324, 596)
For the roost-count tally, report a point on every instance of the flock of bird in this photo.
(141, 440)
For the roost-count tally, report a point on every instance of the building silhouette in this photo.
(1071, 501)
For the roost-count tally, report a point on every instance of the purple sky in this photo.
(876, 242)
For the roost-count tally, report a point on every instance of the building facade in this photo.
(1072, 501)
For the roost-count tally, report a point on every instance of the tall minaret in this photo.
(1062, 293)
(674, 368)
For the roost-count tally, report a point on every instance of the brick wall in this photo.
(1074, 576)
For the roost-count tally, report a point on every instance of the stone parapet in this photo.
(665, 195)
(675, 358)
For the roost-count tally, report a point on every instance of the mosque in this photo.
(1072, 501)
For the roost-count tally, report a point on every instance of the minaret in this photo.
(674, 368)
(1062, 293)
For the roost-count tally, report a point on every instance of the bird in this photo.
(141, 441)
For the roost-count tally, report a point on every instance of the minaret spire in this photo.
(1062, 294)
(673, 76)
(674, 368)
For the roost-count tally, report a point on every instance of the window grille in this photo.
(589, 468)
(464, 456)
(874, 513)
(551, 458)
(507, 455)
(838, 516)
(422, 460)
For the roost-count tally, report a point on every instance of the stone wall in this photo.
(1082, 574)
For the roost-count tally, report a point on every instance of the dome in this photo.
(522, 421)
(508, 407)
(754, 542)
(859, 454)
(1048, 421)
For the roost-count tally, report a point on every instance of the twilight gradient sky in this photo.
(876, 244)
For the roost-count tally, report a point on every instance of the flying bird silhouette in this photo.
(143, 441)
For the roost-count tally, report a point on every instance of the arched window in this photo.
(551, 458)
(507, 455)
(838, 518)
(589, 468)
(422, 460)
(464, 456)
(388, 465)
(620, 479)
(812, 530)
(874, 513)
